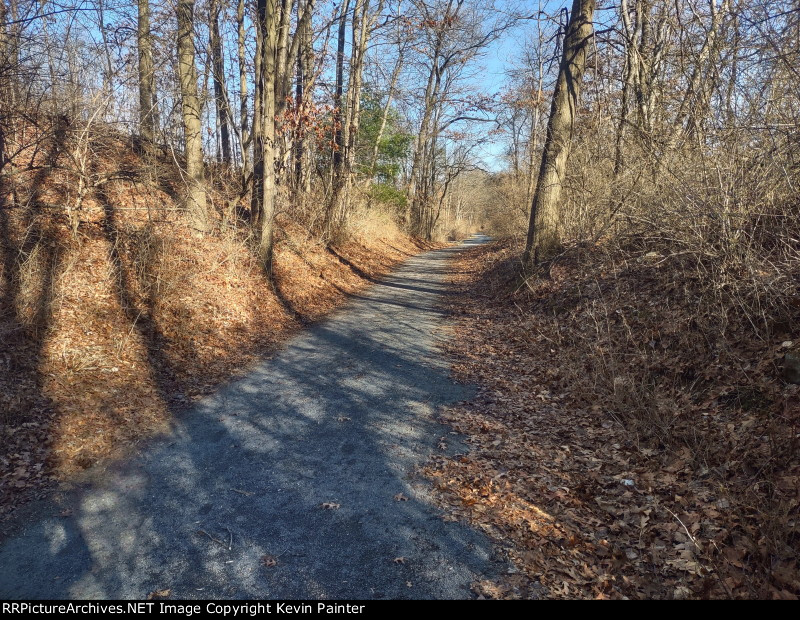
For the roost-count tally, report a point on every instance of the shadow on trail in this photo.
(340, 418)
(33, 245)
(351, 265)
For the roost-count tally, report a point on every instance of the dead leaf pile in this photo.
(623, 446)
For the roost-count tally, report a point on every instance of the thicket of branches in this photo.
(653, 157)
(684, 141)
(306, 107)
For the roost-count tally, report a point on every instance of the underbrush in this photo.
(634, 433)
(454, 230)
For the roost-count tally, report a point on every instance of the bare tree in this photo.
(263, 197)
(348, 119)
(148, 101)
(303, 92)
(191, 113)
(454, 33)
(245, 137)
(220, 89)
(543, 234)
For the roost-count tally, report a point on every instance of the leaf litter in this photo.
(617, 449)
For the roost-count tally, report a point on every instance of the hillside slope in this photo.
(114, 314)
(630, 440)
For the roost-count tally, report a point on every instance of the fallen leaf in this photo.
(155, 594)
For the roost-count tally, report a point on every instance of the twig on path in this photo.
(685, 529)
(216, 540)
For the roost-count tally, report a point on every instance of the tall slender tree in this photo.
(148, 102)
(303, 91)
(245, 136)
(195, 200)
(543, 232)
(339, 122)
(263, 197)
(220, 89)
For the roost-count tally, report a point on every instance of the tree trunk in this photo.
(284, 70)
(220, 92)
(361, 31)
(190, 110)
(339, 124)
(627, 73)
(108, 74)
(148, 104)
(263, 199)
(305, 74)
(244, 129)
(543, 233)
(536, 114)
(417, 196)
(7, 99)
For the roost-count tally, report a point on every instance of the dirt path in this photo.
(295, 482)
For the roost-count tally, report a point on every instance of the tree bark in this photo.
(220, 92)
(339, 122)
(362, 25)
(282, 65)
(289, 65)
(543, 233)
(148, 104)
(417, 197)
(305, 75)
(263, 199)
(190, 111)
(244, 129)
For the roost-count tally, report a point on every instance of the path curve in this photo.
(341, 416)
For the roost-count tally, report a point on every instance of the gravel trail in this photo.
(297, 481)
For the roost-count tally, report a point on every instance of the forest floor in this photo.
(620, 446)
(299, 480)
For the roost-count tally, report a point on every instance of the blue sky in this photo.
(503, 55)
